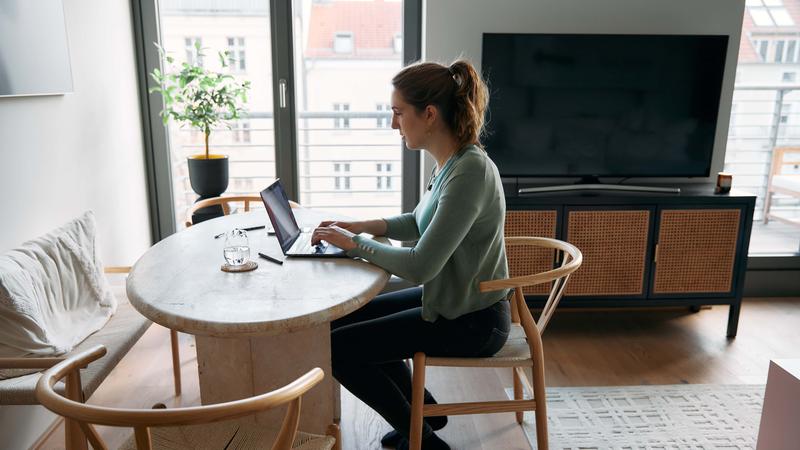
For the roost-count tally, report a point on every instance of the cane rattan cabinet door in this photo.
(696, 251)
(524, 260)
(614, 244)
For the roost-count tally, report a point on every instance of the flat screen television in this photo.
(588, 105)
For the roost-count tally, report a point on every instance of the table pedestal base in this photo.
(232, 369)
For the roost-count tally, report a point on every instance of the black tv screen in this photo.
(570, 105)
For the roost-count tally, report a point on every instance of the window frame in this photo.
(146, 28)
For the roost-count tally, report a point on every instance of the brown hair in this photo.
(458, 91)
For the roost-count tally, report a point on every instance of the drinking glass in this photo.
(237, 247)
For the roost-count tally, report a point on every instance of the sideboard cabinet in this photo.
(639, 249)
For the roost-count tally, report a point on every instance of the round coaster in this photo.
(246, 267)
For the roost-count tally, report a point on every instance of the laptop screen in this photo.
(280, 214)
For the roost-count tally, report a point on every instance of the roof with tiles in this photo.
(374, 26)
(747, 52)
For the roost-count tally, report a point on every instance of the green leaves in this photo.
(197, 96)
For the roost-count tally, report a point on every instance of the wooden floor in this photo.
(581, 349)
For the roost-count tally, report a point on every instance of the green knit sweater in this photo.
(458, 229)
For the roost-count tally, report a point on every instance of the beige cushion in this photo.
(119, 334)
(239, 435)
(514, 353)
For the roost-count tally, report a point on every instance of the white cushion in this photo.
(53, 293)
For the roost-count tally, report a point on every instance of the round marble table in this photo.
(255, 331)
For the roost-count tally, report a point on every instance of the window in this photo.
(241, 131)
(302, 150)
(341, 121)
(341, 182)
(346, 49)
(192, 44)
(791, 52)
(383, 121)
(779, 51)
(762, 49)
(789, 77)
(383, 182)
(397, 43)
(769, 13)
(786, 110)
(784, 125)
(343, 42)
(237, 60)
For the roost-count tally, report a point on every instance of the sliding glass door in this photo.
(241, 29)
(349, 159)
(318, 114)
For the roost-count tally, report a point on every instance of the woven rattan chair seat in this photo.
(514, 353)
(229, 435)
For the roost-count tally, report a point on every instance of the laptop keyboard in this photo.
(303, 246)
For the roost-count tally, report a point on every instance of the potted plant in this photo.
(204, 99)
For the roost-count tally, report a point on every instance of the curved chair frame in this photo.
(222, 201)
(571, 259)
(142, 420)
(225, 203)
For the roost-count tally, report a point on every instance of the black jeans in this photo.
(368, 348)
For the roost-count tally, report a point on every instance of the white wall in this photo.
(454, 28)
(62, 155)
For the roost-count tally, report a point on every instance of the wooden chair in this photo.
(225, 203)
(210, 426)
(782, 183)
(523, 348)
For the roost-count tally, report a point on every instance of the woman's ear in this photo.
(430, 114)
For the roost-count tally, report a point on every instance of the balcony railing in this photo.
(360, 152)
(762, 118)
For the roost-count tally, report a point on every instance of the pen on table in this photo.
(245, 229)
(270, 258)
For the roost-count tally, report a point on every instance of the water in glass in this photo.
(237, 247)
(237, 255)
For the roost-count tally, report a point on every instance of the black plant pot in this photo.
(209, 177)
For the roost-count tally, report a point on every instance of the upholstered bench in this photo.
(45, 265)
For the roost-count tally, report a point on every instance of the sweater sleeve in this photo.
(402, 227)
(460, 203)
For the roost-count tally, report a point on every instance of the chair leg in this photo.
(541, 402)
(767, 204)
(176, 361)
(517, 392)
(417, 401)
(73, 435)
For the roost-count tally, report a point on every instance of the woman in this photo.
(458, 229)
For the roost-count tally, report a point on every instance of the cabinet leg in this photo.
(733, 319)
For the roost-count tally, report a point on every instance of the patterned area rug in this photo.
(682, 417)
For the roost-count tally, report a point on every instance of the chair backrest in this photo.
(783, 156)
(140, 420)
(225, 203)
(570, 259)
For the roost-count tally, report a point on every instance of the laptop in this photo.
(293, 241)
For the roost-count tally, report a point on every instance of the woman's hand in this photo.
(331, 236)
(353, 227)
